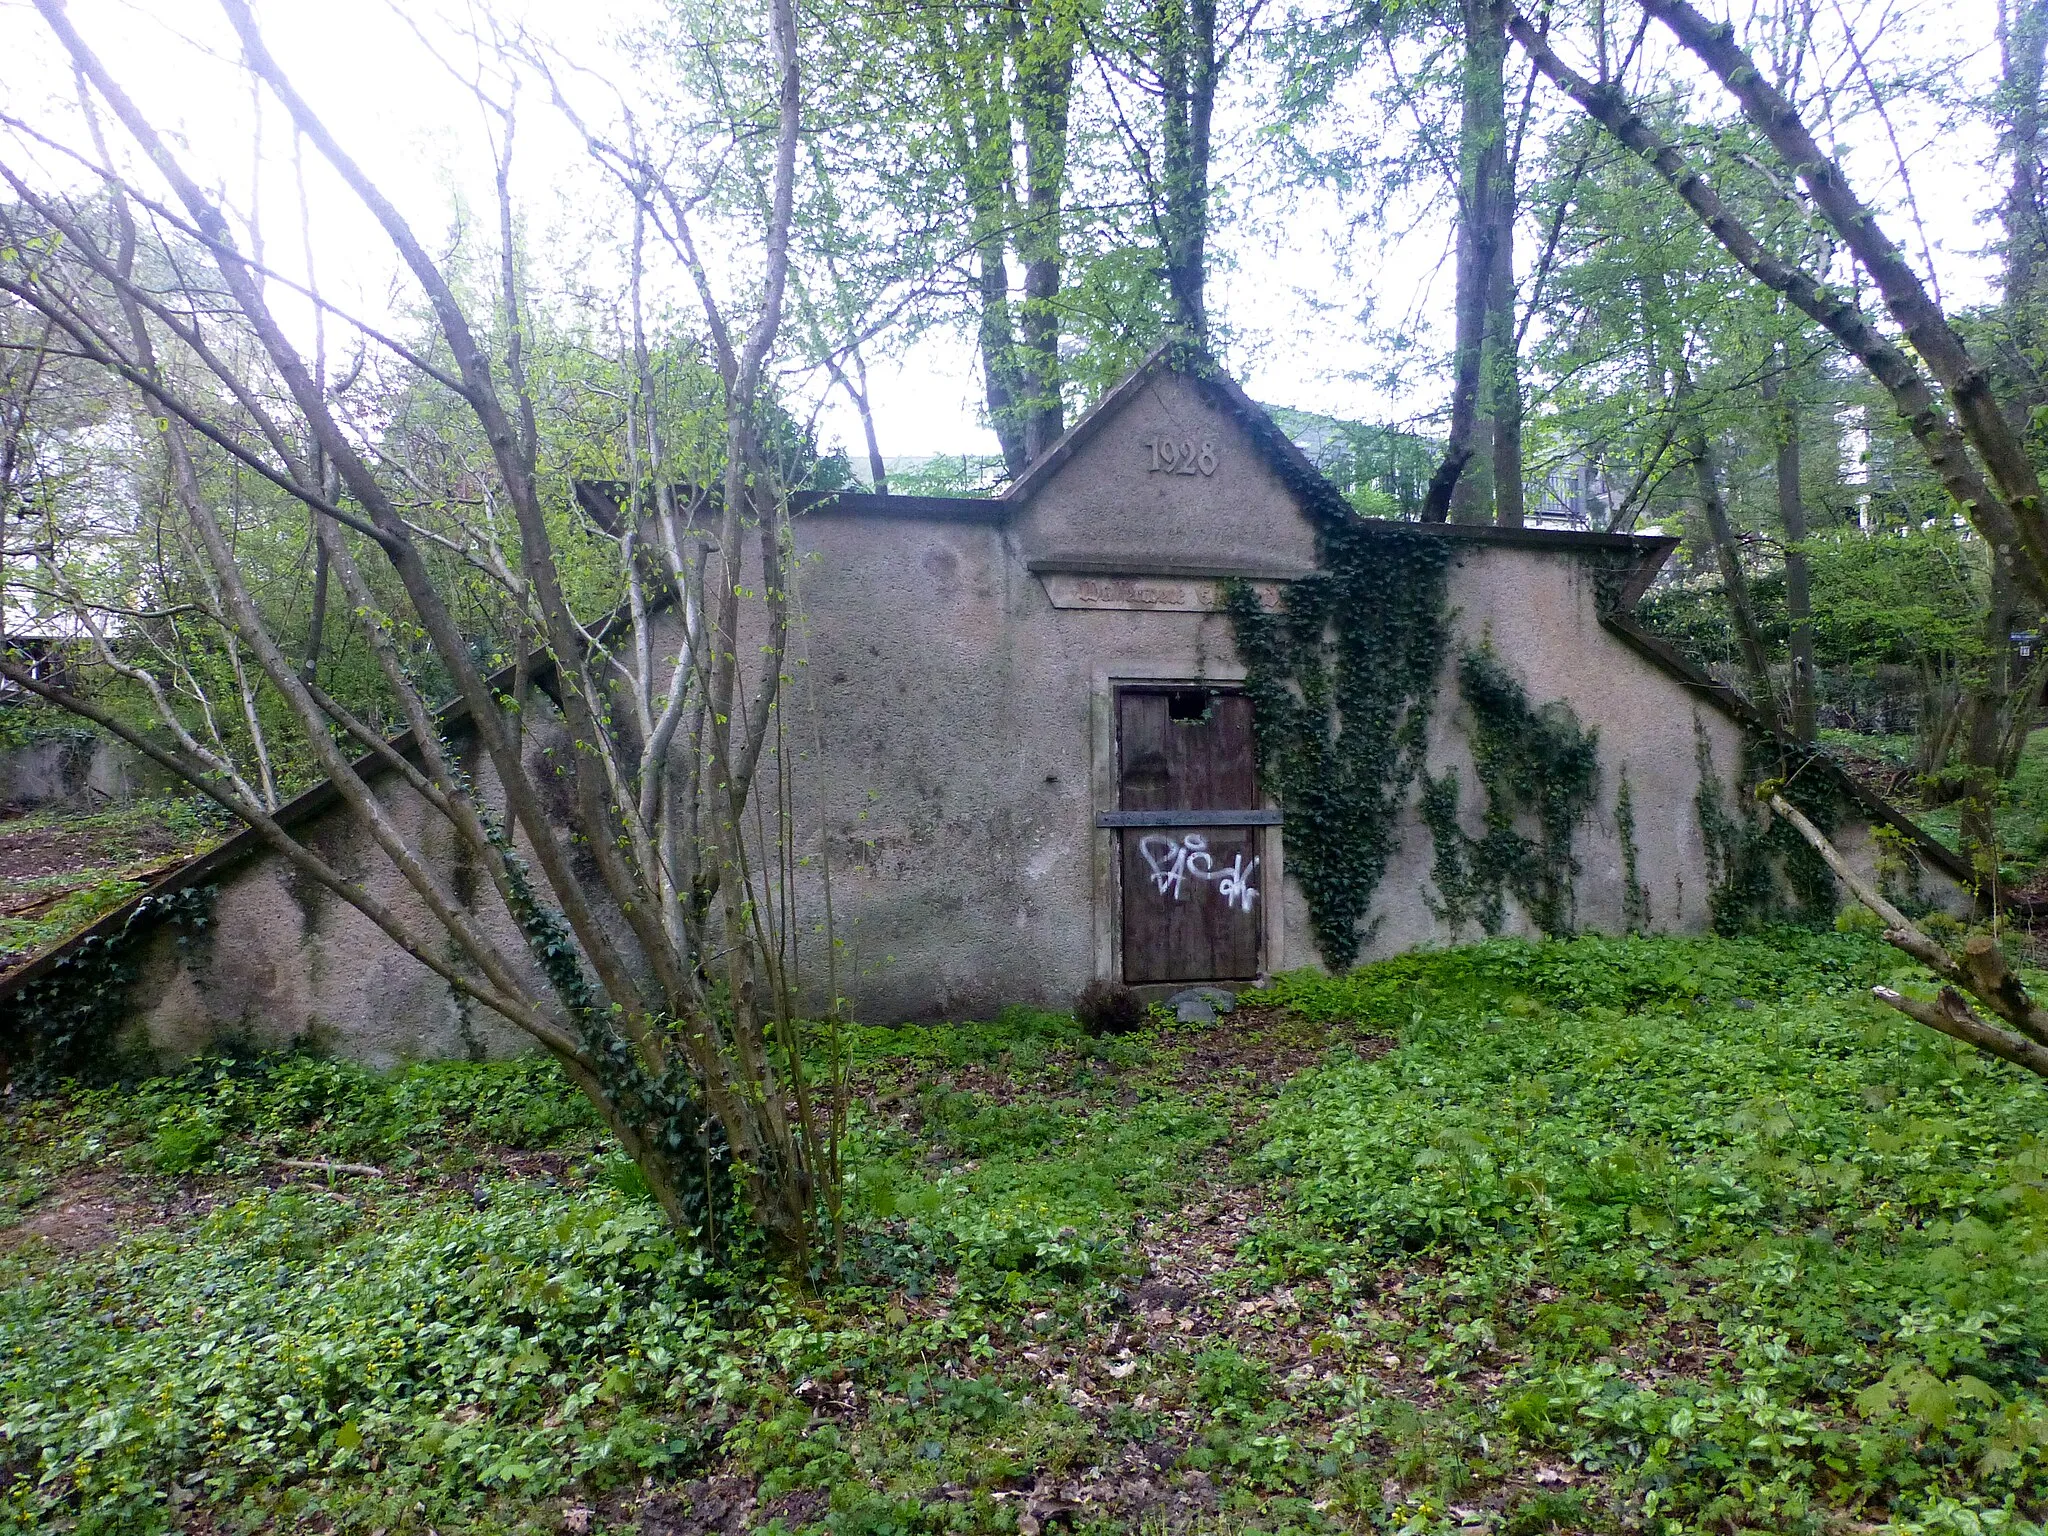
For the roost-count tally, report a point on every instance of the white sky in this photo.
(1288, 304)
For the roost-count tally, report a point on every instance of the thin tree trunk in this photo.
(1503, 334)
(1977, 966)
(2024, 47)
(998, 353)
(1045, 46)
(1482, 166)
(1187, 76)
(2010, 518)
(855, 387)
(1798, 583)
(1926, 326)
(317, 625)
(1506, 392)
(976, 104)
(2022, 711)
(1942, 710)
(1734, 584)
(1504, 382)
(877, 470)
(1986, 714)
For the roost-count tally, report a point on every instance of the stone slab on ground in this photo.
(1201, 1005)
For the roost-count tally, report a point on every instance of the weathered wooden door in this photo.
(1187, 795)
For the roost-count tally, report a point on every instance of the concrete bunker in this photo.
(1039, 758)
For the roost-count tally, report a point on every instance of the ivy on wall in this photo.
(1635, 896)
(68, 1022)
(1763, 871)
(1537, 765)
(1341, 680)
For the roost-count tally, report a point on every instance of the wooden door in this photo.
(1187, 792)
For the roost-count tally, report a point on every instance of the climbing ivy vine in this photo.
(68, 1022)
(1763, 871)
(1341, 681)
(690, 1139)
(1538, 766)
(1635, 896)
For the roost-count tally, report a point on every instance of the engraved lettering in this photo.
(1182, 456)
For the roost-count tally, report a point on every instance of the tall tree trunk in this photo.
(1469, 454)
(1187, 77)
(1713, 504)
(1734, 584)
(1669, 374)
(976, 99)
(1503, 374)
(1798, 583)
(856, 389)
(1986, 715)
(1044, 42)
(2024, 40)
(997, 344)
(1992, 714)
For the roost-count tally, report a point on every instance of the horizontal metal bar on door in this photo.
(1187, 819)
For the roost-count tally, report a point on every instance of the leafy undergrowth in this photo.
(1589, 1236)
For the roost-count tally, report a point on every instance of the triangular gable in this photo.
(1174, 467)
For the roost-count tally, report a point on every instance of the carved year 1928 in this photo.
(1181, 455)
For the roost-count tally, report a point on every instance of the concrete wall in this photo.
(286, 961)
(74, 770)
(948, 738)
(1106, 504)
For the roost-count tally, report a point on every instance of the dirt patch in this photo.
(1257, 1048)
(90, 1211)
(720, 1505)
(76, 1217)
(43, 849)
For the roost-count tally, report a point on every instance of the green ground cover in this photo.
(61, 869)
(2021, 816)
(1666, 1235)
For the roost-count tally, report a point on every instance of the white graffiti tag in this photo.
(1173, 862)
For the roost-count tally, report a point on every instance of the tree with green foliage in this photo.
(629, 915)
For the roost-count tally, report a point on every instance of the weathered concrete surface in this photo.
(1108, 505)
(287, 962)
(949, 742)
(74, 770)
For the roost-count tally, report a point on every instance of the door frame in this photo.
(1110, 677)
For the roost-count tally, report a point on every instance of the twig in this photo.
(1979, 970)
(314, 1165)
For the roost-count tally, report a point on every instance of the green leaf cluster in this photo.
(68, 1022)
(1764, 873)
(1535, 764)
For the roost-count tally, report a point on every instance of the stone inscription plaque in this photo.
(1160, 594)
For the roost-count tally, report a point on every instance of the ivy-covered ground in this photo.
(1588, 1236)
(60, 869)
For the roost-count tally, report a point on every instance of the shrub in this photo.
(1109, 1008)
(184, 1142)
